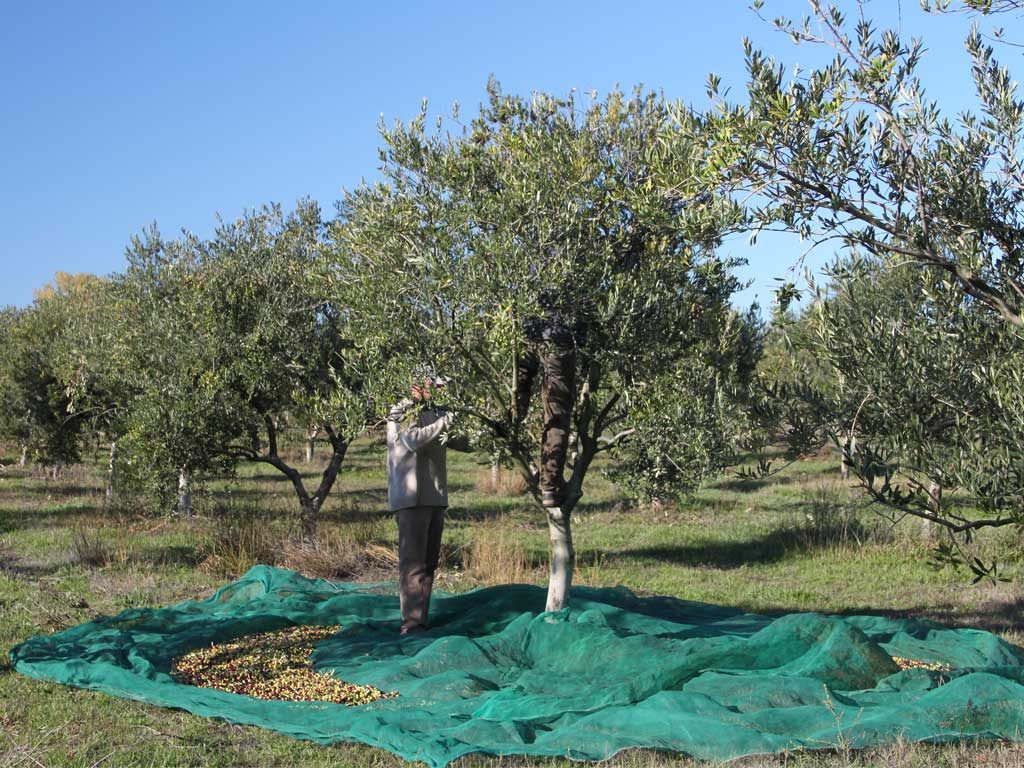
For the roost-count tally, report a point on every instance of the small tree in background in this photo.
(84, 358)
(542, 211)
(176, 414)
(39, 408)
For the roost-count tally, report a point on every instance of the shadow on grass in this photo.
(481, 512)
(22, 568)
(767, 548)
(171, 554)
(1001, 615)
(793, 476)
(26, 519)
(55, 490)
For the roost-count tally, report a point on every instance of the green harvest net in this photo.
(498, 675)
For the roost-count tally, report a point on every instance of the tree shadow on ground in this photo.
(794, 477)
(769, 547)
(26, 519)
(171, 554)
(51, 491)
(27, 569)
(1000, 615)
(600, 507)
(479, 513)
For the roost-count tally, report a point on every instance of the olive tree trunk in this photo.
(849, 451)
(110, 470)
(563, 557)
(934, 506)
(311, 436)
(309, 503)
(184, 507)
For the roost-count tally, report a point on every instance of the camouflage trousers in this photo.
(556, 366)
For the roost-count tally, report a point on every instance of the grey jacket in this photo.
(417, 471)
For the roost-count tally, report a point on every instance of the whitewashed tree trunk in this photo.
(23, 461)
(110, 470)
(311, 435)
(184, 493)
(563, 559)
(495, 476)
(851, 443)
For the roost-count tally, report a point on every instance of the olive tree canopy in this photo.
(539, 210)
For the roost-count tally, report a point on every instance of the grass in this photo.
(800, 540)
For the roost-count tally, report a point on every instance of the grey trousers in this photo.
(419, 551)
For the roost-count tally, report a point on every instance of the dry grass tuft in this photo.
(89, 547)
(338, 553)
(496, 555)
(503, 483)
(238, 541)
(832, 520)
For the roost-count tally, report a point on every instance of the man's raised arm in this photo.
(415, 437)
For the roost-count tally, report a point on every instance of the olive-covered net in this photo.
(498, 675)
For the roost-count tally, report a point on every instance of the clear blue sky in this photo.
(117, 114)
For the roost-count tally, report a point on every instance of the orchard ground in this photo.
(798, 541)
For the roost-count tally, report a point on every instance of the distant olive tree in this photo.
(176, 417)
(231, 340)
(39, 409)
(936, 403)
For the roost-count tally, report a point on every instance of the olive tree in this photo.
(239, 339)
(856, 155)
(176, 416)
(544, 210)
(38, 405)
(936, 397)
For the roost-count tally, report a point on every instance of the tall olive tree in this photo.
(855, 154)
(543, 209)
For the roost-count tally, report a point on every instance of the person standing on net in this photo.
(418, 495)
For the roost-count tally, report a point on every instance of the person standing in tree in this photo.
(552, 341)
(418, 495)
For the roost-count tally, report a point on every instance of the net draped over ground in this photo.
(498, 675)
